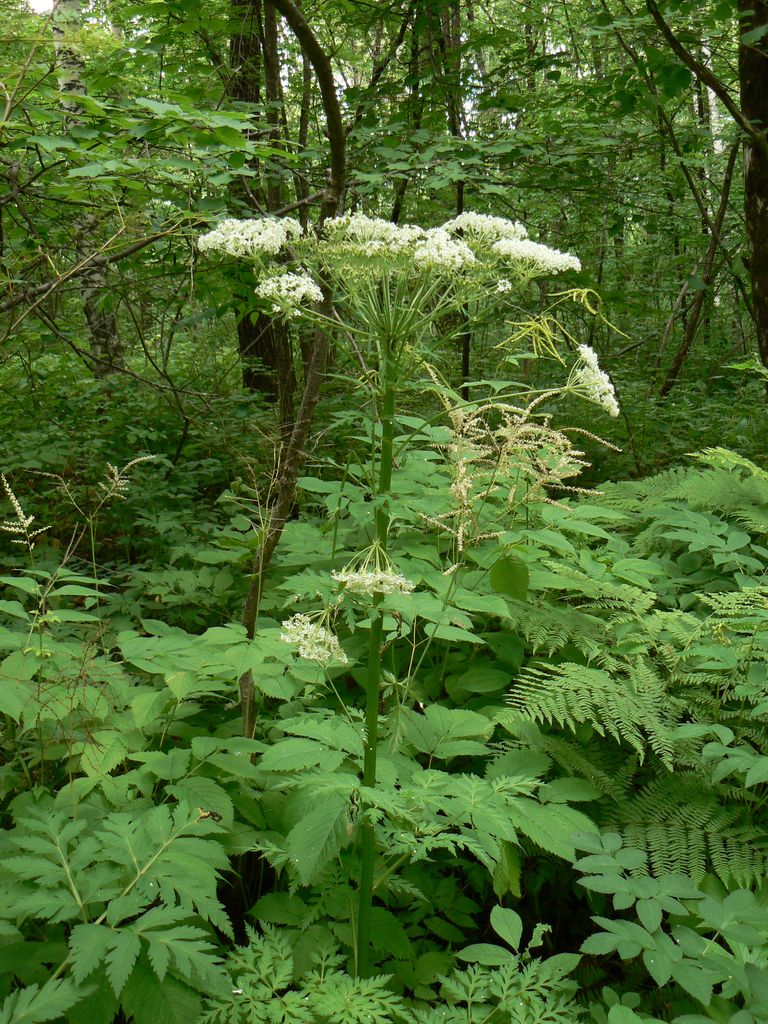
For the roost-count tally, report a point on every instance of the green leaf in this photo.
(291, 755)
(658, 964)
(15, 609)
(316, 838)
(649, 913)
(599, 944)
(149, 1000)
(88, 946)
(389, 934)
(207, 795)
(29, 586)
(694, 980)
(452, 633)
(121, 959)
(486, 954)
(508, 925)
(35, 1005)
(754, 35)
(510, 576)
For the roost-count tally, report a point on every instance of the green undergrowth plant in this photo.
(488, 705)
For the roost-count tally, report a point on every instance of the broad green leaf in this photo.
(508, 925)
(510, 576)
(486, 954)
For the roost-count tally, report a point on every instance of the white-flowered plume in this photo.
(438, 251)
(372, 236)
(371, 582)
(312, 640)
(539, 257)
(288, 291)
(484, 228)
(592, 382)
(259, 237)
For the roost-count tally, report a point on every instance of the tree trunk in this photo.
(106, 350)
(753, 82)
(263, 341)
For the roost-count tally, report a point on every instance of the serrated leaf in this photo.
(600, 944)
(314, 840)
(293, 754)
(202, 792)
(694, 980)
(121, 959)
(658, 965)
(510, 576)
(88, 946)
(35, 1005)
(148, 1000)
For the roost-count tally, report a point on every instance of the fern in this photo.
(681, 824)
(635, 710)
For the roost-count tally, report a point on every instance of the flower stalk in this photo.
(375, 642)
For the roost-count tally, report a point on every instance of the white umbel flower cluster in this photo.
(312, 640)
(379, 581)
(503, 286)
(258, 237)
(594, 383)
(288, 291)
(484, 228)
(438, 251)
(372, 235)
(540, 257)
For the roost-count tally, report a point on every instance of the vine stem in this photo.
(373, 680)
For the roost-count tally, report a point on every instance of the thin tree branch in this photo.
(702, 72)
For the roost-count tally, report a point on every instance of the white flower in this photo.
(23, 521)
(594, 383)
(312, 640)
(379, 581)
(437, 250)
(287, 291)
(372, 236)
(484, 228)
(504, 286)
(540, 257)
(265, 236)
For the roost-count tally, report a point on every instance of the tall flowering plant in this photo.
(394, 287)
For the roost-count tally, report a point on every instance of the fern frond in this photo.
(637, 711)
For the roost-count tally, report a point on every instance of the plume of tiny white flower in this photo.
(372, 582)
(534, 256)
(503, 286)
(115, 483)
(257, 237)
(438, 251)
(483, 228)
(312, 640)
(22, 522)
(589, 380)
(288, 291)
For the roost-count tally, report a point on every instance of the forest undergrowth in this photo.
(493, 747)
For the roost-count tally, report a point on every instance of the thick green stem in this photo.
(373, 682)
